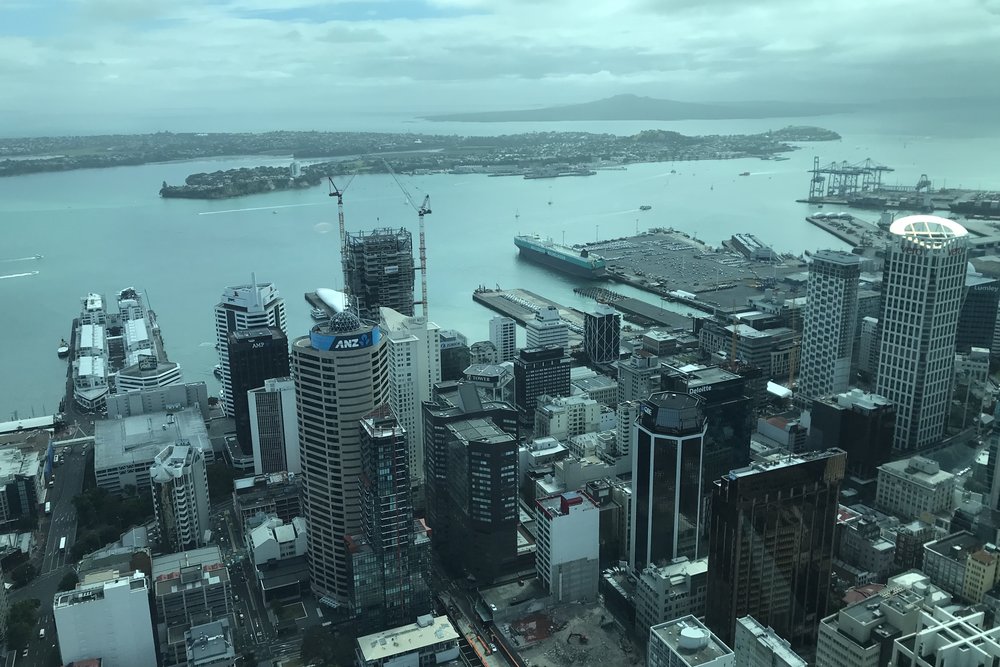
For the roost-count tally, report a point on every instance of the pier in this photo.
(855, 232)
(521, 305)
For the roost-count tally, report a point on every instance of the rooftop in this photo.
(188, 569)
(917, 469)
(958, 546)
(138, 439)
(777, 461)
(209, 642)
(427, 631)
(928, 230)
(18, 462)
(472, 430)
(689, 639)
(774, 643)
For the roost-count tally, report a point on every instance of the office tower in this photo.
(602, 334)
(255, 355)
(244, 307)
(977, 321)
(547, 328)
(482, 495)
(861, 424)
(539, 371)
(915, 487)
(453, 402)
(414, 347)
(495, 379)
(923, 284)
(668, 592)
(759, 646)
(726, 405)
(830, 324)
(638, 376)
(771, 544)
(483, 352)
(341, 373)
(568, 560)
(390, 556)
(686, 642)
(108, 619)
(274, 427)
(180, 497)
(503, 335)
(626, 413)
(666, 473)
(868, 351)
(380, 271)
(455, 354)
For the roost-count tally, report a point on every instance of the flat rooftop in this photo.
(139, 438)
(427, 631)
(690, 639)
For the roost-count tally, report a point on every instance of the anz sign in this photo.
(326, 341)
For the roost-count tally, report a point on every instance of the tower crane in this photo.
(422, 209)
(339, 194)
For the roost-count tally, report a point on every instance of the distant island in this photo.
(634, 107)
(531, 156)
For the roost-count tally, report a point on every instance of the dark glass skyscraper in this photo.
(602, 334)
(666, 477)
(537, 371)
(977, 320)
(771, 545)
(255, 355)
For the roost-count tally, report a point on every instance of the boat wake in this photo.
(20, 259)
(19, 275)
(260, 208)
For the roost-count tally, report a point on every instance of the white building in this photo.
(911, 488)
(210, 645)
(923, 289)
(108, 619)
(830, 323)
(274, 427)
(547, 329)
(429, 641)
(503, 335)
(759, 646)
(679, 588)
(686, 642)
(414, 368)
(180, 497)
(568, 542)
(244, 307)
(943, 639)
(566, 416)
(638, 376)
(276, 540)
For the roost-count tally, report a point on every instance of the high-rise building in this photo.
(771, 544)
(760, 646)
(686, 642)
(453, 402)
(255, 355)
(923, 286)
(626, 413)
(503, 335)
(666, 474)
(830, 324)
(547, 328)
(274, 427)
(244, 307)
(914, 487)
(341, 373)
(861, 424)
(180, 497)
(977, 321)
(602, 334)
(414, 368)
(390, 556)
(538, 371)
(668, 592)
(638, 376)
(108, 619)
(568, 559)
(455, 354)
(380, 271)
(868, 346)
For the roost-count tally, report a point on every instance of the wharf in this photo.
(521, 305)
(640, 312)
(855, 232)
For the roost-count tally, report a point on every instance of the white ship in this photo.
(90, 366)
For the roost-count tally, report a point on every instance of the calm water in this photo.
(102, 230)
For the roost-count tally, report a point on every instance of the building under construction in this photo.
(380, 271)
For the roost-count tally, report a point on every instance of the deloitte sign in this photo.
(329, 342)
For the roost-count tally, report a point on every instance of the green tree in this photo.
(325, 648)
(69, 581)
(21, 619)
(220, 481)
(23, 573)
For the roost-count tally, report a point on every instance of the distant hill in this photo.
(634, 107)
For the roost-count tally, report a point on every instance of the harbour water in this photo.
(103, 230)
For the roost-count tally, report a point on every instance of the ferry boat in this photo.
(744, 173)
(217, 371)
(63, 350)
(319, 314)
(645, 207)
(574, 261)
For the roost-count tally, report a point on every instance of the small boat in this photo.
(319, 314)
(38, 256)
(63, 350)
(744, 173)
(217, 371)
(645, 207)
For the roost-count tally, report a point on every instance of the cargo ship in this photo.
(573, 261)
(981, 205)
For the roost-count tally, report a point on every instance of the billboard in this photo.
(331, 342)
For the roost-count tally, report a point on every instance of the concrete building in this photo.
(430, 641)
(274, 540)
(759, 646)
(547, 329)
(868, 346)
(22, 483)
(601, 388)
(862, 634)
(923, 287)
(943, 638)
(963, 565)
(380, 271)
(914, 488)
(861, 424)
(414, 361)
(537, 372)
(830, 324)
(770, 350)
(455, 354)
(567, 559)
(341, 373)
(274, 427)
(638, 376)
(686, 642)
(107, 618)
(495, 379)
(180, 497)
(602, 334)
(210, 645)
(257, 498)
(771, 544)
(563, 417)
(503, 335)
(125, 448)
(483, 352)
(161, 399)
(255, 356)
(679, 588)
(244, 307)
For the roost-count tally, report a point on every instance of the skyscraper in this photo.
(547, 329)
(771, 544)
(255, 355)
(923, 285)
(380, 271)
(389, 557)
(602, 334)
(180, 497)
(977, 321)
(455, 354)
(539, 371)
(861, 424)
(503, 335)
(274, 427)
(341, 373)
(830, 323)
(666, 473)
(244, 307)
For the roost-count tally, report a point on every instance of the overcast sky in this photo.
(177, 64)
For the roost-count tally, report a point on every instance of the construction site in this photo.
(380, 270)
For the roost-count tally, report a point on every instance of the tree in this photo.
(220, 481)
(249, 659)
(21, 619)
(325, 648)
(69, 581)
(23, 573)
